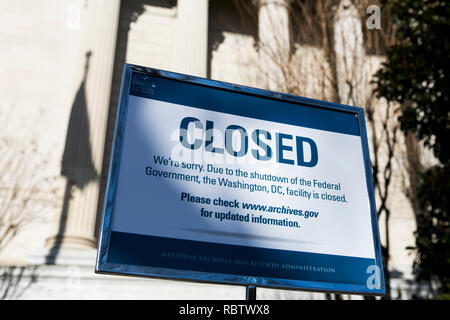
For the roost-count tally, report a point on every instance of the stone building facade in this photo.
(61, 64)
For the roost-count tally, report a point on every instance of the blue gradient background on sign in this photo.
(132, 249)
(244, 105)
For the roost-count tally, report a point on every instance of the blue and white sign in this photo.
(215, 182)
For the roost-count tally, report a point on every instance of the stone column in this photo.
(191, 38)
(83, 154)
(274, 41)
(349, 50)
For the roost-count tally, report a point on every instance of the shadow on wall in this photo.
(77, 164)
(14, 281)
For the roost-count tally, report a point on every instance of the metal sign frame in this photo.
(105, 266)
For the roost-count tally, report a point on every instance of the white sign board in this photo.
(220, 183)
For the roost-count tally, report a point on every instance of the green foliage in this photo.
(416, 73)
(416, 76)
(444, 296)
(433, 231)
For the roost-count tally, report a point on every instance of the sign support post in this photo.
(250, 293)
